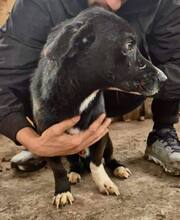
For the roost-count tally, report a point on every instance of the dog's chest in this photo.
(90, 109)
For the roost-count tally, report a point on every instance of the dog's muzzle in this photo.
(161, 76)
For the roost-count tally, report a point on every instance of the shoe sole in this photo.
(166, 169)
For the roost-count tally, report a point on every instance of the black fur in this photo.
(94, 51)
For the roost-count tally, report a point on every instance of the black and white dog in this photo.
(83, 57)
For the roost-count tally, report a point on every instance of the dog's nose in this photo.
(161, 76)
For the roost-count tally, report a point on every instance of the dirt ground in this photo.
(149, 194)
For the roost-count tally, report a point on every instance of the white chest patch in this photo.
(87, 101)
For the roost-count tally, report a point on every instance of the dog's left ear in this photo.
(70, 40)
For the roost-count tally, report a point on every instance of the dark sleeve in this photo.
(21, 40)
(164, 46)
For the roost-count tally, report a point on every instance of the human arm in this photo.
(21, 41)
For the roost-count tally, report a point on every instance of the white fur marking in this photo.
(87, 101)
(143, 67)
(102, 180)
(161, 75)
(121, 90)
(21, 167)
(36, 105)
(98, 173)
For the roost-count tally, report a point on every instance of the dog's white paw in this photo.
(62, 199)
(102, 180)
(122, 172)
(74, 177)
(108, 188)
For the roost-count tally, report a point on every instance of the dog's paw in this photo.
(63, 199)
(102, 180)
(122, 172)
(108, 188)
(74, 177)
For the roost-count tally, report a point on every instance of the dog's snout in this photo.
(161, 76)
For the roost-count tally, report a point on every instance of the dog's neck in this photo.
(72, 98)
(88, 106)
(89, 110)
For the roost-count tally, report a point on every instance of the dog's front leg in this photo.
(76, 168)
(98, 172)
(62, 194)
(116, 167)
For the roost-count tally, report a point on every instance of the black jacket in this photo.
(156, 22)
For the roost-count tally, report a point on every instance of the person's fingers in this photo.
(75, 143)
(74, 146)
(95, 125)
(87, 141)
(93, 141)
(89, 135)
(70, 141)
(98, 135)
(69, 123)
(101, 130)
(105, 125)
(76, 140)
(66, 124)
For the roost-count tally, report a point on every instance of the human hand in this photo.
(56, 142)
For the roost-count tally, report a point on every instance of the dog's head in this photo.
(98, 49)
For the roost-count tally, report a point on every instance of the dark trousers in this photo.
(165, 112)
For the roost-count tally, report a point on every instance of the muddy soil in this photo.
(149, 194)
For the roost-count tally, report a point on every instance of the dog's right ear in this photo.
(69, 40)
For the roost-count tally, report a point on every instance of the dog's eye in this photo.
(85, 42)
(130, 46)
(88, 39)
(141, 65)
